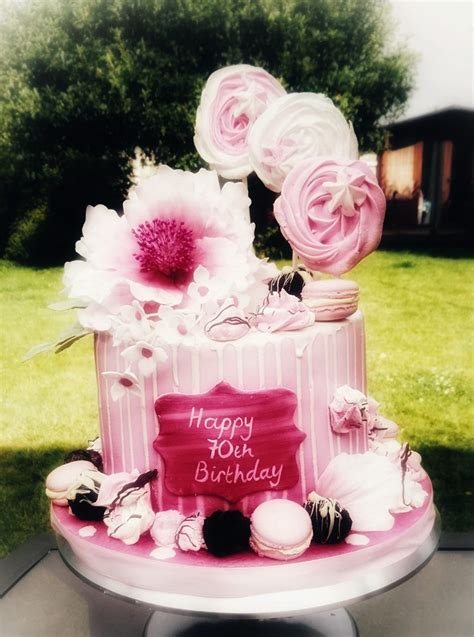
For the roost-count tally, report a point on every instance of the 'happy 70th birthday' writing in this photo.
(231, 440)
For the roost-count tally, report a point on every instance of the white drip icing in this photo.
(159, 482)
(311, 360)
(143, 412)
(104, 349)
(174, 366)
(130, 437)
(240, 370)
(336, 381)
(300, 426)
(122, 434)
(328, 398)
(220, 363)
(261, 368)
(278, 363)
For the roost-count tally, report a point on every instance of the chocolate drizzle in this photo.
(130, 487)
(187, 530)
(82, 495)
(292, 282)
(331, 523)
(230, 320)
(85, 454)
(405, 453)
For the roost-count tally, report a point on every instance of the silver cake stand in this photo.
(317, 611)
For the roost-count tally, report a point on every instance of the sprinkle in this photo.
(163, 553)
(357, 539)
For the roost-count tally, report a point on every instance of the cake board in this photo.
(318, 607)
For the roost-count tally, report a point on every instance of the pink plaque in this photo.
(227, 442)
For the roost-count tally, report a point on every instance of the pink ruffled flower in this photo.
(282, 312)
(231, 101)
(348, 410)
(176, 226)
(331, 212)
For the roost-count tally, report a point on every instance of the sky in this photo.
(441, 32)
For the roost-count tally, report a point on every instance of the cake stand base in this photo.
(334, 623)
(198, 596)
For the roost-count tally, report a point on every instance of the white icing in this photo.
(87, 531)
(357, 539)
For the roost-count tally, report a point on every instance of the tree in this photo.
(84, 82)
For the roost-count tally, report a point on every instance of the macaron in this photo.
(62, 478)
(331, 299)
(280, 529)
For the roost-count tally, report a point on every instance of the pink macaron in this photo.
(62, 478)
(331, 299)
(280, 529)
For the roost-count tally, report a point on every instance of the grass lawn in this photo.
(419, 313)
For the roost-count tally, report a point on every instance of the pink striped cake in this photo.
(312, 363)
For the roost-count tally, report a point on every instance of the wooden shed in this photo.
(427, 172)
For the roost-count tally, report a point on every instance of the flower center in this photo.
(166, 246)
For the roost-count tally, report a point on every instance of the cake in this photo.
(235, 426)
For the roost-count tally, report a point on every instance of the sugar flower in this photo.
(124, 383)
(203, 287)
(176, 226)
(232, 100)
(145, 355)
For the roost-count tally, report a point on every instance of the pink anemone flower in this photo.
(173, 223)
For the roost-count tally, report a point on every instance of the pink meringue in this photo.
(228, 323)
(231, 101)
(294, 128)
(189, 536)
(165, 527)
(331, 212)
(348, 410)
(367, 485)
(282, 311)
(372, 487)
(127, 498)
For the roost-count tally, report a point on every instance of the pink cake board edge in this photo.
(244, 574)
